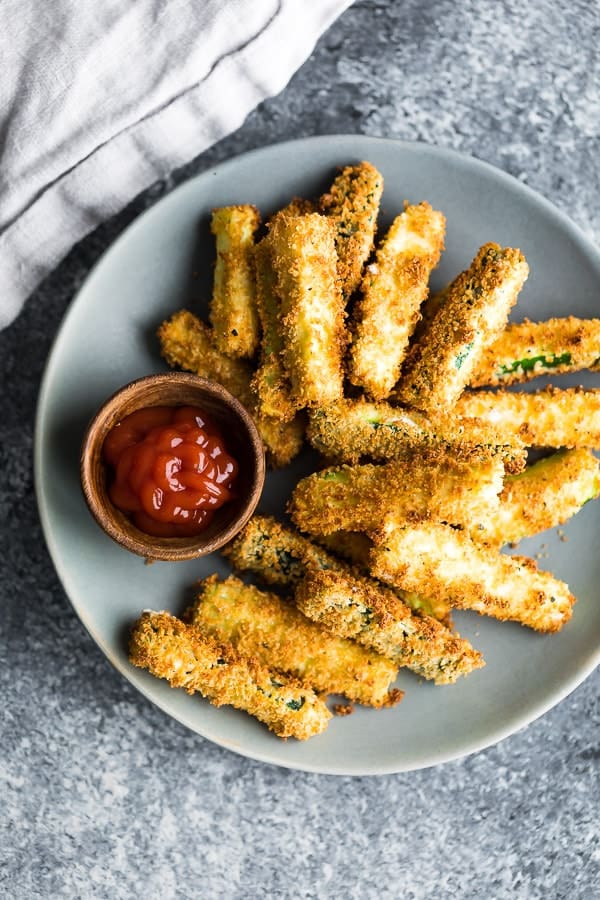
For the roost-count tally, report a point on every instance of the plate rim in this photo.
(517, 723)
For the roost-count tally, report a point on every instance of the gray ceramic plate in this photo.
(162, 263)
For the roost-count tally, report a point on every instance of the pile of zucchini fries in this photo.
(327, 333)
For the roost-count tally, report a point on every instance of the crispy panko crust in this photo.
(545, 495)
(233, 311)
(187, 342)
(352, 203)
(283, 440)
(354, 498)
(185, 657)
(312, 312)
(262, 625)
(281, 556)
(393, 288)
(447, 563)
(547, 418)
(351, 430)
(270, 382)
(297, 206)
(527, 349)
(474, 312)
(356, 548)
(374, 616)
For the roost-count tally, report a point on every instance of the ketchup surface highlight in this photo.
(170, 469)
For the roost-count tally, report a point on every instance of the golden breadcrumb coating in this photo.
(475, 310)
(545, 495)
(356, 548)
(297, 206)
(351, 430)
(283, 440)
(527, 349)
(393, 288)
(270, 382)
(312, 312)
(352, 203)
(547, 418)
(262, 625)
(187, 342)
(233, 313)
(354, 498)
(187, 658)
(446, 562)
(281, 556)
(375, 616)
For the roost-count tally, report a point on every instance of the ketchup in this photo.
(170, 468)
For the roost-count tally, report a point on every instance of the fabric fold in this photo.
(64, 174)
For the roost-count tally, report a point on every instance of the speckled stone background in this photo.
(101, 795)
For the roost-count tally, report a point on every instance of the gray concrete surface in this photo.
(101, 795)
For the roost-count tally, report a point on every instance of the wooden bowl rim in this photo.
(114, 523)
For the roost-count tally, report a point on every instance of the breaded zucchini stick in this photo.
(544, 496)
(297, 206)
(187, 342)
(189, 659)
(352, 203)
(283, 440)
(547, 418)
(281, 556)
(351, 545)
(356, 548)
(446, 562)
(312, 313)
(270, 382)
(233, 311)
(349, 430)
(375, 617)
(429, 309)
(474, 312)
(355, 498)
(393, 288)
(262, 625)
(527, 349)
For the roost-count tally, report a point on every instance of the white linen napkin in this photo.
(100, 99)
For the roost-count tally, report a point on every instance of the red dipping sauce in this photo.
(170, 469)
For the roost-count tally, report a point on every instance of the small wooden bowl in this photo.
(242, 441)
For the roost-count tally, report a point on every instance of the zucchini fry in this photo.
(356, 548)
(448, 563)
(393, 288)
(544, 496)
(375, 617)
(349, 430)
(277, 554)
(355, 498)
(283, 440)
(184, 656)
(270, 382)
(262, 625)
(297, 206)
(351, 545)
(528, 349)
(474, 312)
(281, 556)
(233, 307)
(312, 313)
(188, 343)
(352, 204)
(547, 418)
